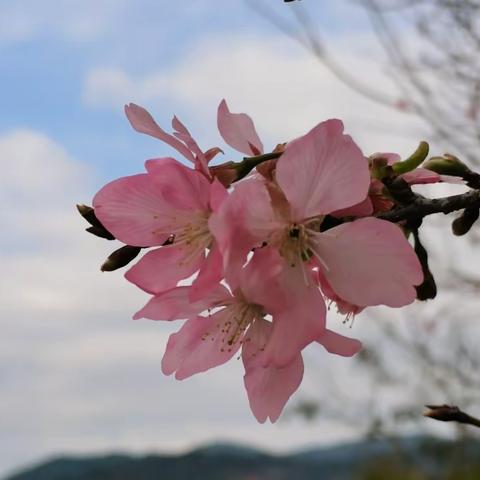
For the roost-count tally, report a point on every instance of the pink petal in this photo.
(134, 210)
(218, 194)
(183, 134)
(161, 269)
(145, 209)
(362, 209)
(291, 296)
(143, 122)
(262, 281)
(238, 227)
(183, 187)
(238, 130)
(452, 179)
(338, 344)
(298, 309)
(343, 307)
(369, 262)
(323, 171)
(210, 274)
(421, 175)
(268, 388)
(296, 327)
(198, 346)
(212, 152)
(175, 304)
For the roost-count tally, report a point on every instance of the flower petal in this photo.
(243, 222)
(268, 388)
(183, 187)
(343, 307)
(212, 152)
(143, 122)
(362, 209)
(338, 344)
(298, 309)
(210, 274)
(161, 269)
(296, 327)
(370, 262)
(175, 304)
(261, 280)
(181, 132)
(238, 130)
(134, 210)
(218, 194)
(323, 171)
(198, 346)
(421, 176)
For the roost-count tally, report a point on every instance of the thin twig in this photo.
(422, 207)
(450, 413)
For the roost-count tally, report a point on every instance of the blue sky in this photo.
(49, 50)
(76, 373)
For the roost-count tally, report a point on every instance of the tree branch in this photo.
(450, 413)
(422, 207)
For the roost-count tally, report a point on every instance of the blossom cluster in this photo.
(266, 250)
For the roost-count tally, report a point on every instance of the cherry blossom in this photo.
(271, 350)
(267, 251)
(366, 262)
(181, 140)
(169, 202)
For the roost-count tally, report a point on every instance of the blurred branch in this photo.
(450, 413)
(309, 39)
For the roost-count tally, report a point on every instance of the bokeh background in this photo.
(77, 375)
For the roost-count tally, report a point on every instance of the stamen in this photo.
(321, 260)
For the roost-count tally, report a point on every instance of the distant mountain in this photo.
(224, 461)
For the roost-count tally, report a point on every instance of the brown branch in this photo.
(413, 207)
(422, 207)
(244, 167)
(450, 413)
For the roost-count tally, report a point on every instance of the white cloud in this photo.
(77, 20)
(76, 373)
(284, 88)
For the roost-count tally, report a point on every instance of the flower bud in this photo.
(413, 161)
(447, 165)
(119, 258)
(100, 232)
(428, 288)
(451, 165)
(463, 224)
(88, 213)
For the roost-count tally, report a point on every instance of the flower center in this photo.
(234, 320)
(293, 244)
(194, 235)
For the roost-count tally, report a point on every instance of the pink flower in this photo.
(366, 262)
(238, 131)
(343, 307)
(181, 140)
(271, 351)
(379, 200)
(169, 201)
(419, 175)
